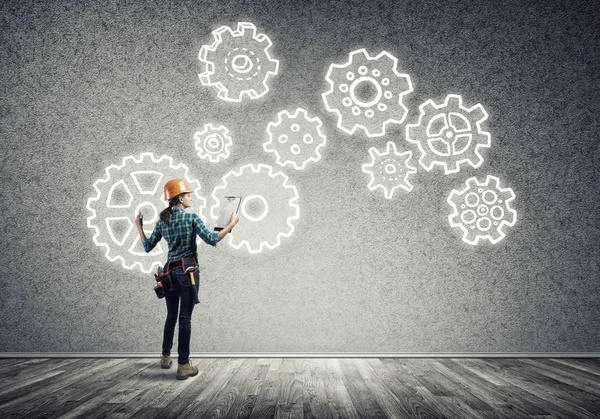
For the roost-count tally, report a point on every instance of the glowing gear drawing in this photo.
(269, 207)
(389, 170)
(133, 186)
(213, 143)
(238, 63)
(482, 209)
(449, 134)
(295, 139)
(367, 92)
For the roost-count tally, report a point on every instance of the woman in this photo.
(179, 228)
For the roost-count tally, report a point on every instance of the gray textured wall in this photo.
(84, 85)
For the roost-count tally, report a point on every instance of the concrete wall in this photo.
(86, 85)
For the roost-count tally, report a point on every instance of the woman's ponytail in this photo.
(165, 215)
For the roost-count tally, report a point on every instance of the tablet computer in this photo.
(229, 206)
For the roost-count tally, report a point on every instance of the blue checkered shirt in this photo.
(181, 234)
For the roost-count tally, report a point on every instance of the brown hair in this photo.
(165, 214)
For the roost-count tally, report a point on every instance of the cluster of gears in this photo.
(366, 94)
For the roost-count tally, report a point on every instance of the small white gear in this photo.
(213, 143)
(389, 170)
(482, 209)
(269, 206)
(295, 139)
(117, 202)
(367, 92)
(238, 63)
(449, 134)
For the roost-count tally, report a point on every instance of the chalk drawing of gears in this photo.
(295, 139)
(482, 209)
(269, 207)
(367, 92)
(238, 63)
(389, 170)
(449, 134)
(126, 189)
(213, 143)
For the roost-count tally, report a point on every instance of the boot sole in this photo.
(185, 377)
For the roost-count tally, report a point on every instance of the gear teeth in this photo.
(427, 161)
(478, 114)
(427, 108)
(453, 101)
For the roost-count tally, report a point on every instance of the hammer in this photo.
(191, 271)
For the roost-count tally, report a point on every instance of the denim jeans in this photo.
(183, 292)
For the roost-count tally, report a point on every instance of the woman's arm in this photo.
(234, 220)
(138, 224)
(212, 237)
(152, 241)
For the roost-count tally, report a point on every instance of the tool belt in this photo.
(166, 283)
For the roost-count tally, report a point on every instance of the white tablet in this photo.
(229, 205)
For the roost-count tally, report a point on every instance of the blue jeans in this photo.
(183, 292)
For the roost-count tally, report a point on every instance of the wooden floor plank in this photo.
(413, 401)
(465, 388)
(582, 379)
(498, 397)
(28, 396)
(395, 399)
(206, 398)
(362, 398)
(580, 364)
(338, 399)
(266, 399)
(558, 398)
(83, 387)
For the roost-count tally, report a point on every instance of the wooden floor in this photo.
(302, 388)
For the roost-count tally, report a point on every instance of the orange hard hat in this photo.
(175, 187)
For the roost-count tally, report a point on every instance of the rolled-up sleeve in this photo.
(207, 236)
(153, 240)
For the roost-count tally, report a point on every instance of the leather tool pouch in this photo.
(164, 284)
(159, 290)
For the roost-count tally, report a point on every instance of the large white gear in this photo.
(213, 143)
(133, 186)
(269, 207)
(449, 134)
(389, 170)
(380, 105)
(295, 139)
(482, 209)
(238, 63)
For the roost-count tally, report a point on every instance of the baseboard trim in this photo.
(306, 355)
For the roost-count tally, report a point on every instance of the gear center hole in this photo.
(149, 212)
(365, 91)
(241, 63)
(255, 207)
(390, 169)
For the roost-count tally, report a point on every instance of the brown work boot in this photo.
(165, 361)
(186, 370)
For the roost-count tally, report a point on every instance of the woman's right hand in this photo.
(138, 221)
(235, 219)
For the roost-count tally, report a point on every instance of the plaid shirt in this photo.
(181, 234)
